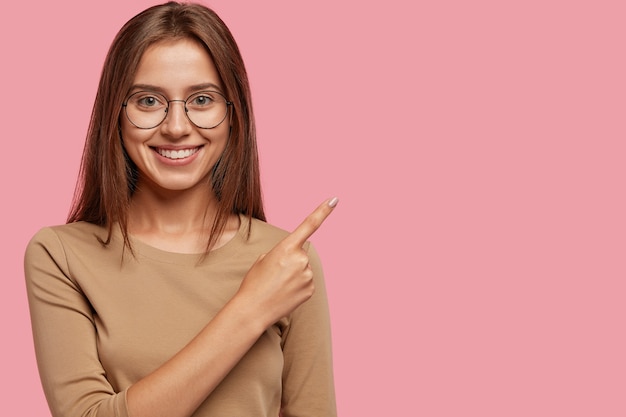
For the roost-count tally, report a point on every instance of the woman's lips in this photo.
(175, 154)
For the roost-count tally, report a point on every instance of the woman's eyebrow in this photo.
(205, 86)
(146, 87)
(197, 87)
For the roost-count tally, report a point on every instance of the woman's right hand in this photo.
(282, 279)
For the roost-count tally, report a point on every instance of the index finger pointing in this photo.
(311, 223)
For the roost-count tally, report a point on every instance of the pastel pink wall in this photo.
(476, 263)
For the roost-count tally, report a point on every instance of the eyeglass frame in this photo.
(168, 101)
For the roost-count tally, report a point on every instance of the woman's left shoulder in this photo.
(268, 235)
(262, 231)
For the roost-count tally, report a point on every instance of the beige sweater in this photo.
(102, 321)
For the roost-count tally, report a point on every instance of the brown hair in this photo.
(107, 176)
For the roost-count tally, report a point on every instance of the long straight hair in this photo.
(108, 177)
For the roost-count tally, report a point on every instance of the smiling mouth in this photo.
(178, 153)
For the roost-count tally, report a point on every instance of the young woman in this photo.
(167, 293)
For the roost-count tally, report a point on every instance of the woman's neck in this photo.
(176, 221)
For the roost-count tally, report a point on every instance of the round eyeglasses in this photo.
(148, 109)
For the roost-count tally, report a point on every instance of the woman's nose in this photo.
(176, 123)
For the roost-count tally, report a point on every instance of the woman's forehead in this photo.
(176, 66)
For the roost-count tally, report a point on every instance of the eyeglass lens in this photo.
(148, 109)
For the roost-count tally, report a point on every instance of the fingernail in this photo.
(333, 202)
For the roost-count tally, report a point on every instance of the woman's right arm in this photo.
(64, 334)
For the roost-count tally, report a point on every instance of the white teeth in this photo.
(180, 154)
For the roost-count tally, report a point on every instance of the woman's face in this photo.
(176, 155)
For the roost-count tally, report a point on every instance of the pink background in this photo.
(476, 263)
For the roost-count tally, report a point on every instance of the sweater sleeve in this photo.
(308, 385)
(64, 334)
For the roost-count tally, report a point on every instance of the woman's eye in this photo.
(202, 100)
(148, 101)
